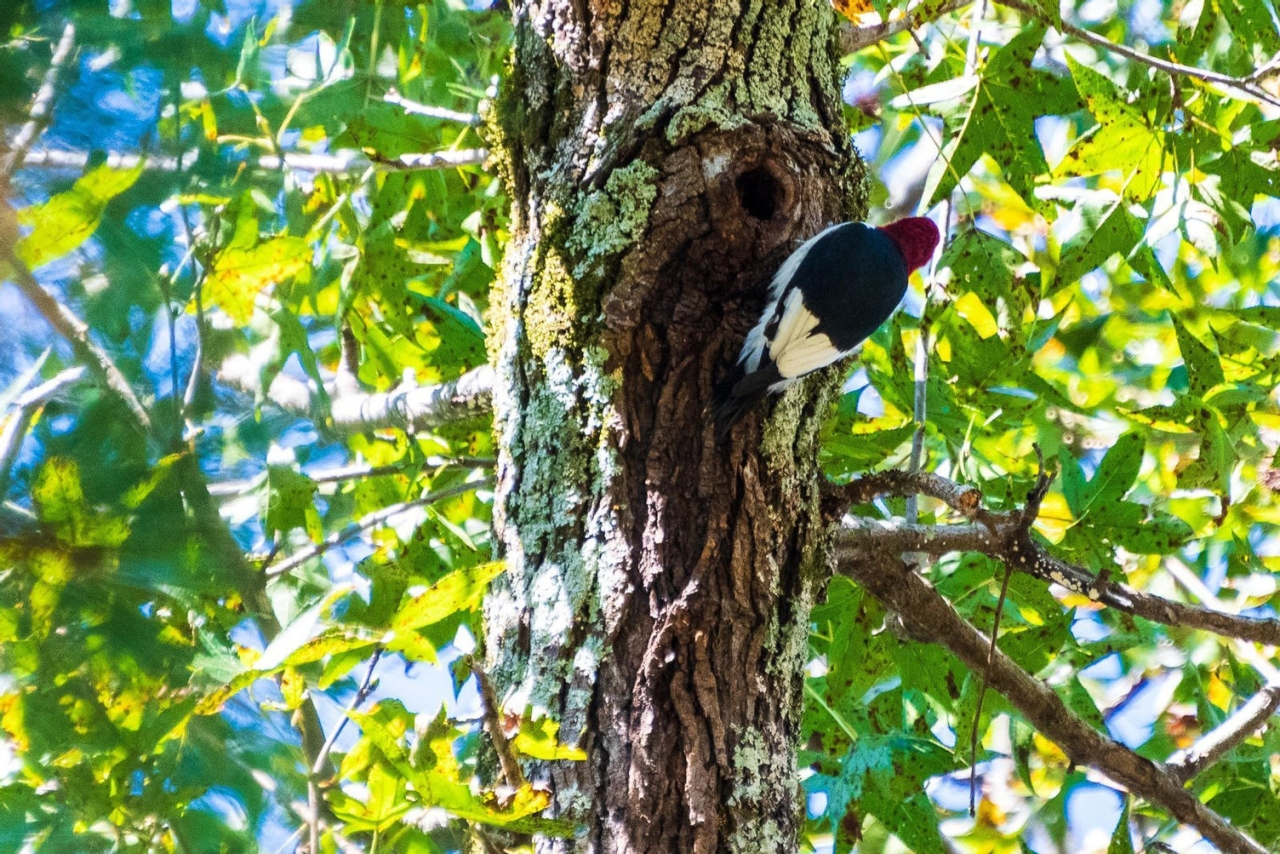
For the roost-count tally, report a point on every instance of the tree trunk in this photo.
(663, 158)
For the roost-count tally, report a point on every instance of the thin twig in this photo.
(982, 694)
(493, 725)
(362, 694)
(417, 109)
(1244, 85)
(354, 471)
(65, 322)
(27, 405)
(927, 614)
(372, 520)
(1228, 735)
(313, 817)
(855, 38)
(41, 112)
(341, 164)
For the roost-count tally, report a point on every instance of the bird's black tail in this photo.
(739, 394)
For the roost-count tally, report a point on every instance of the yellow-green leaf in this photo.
(537, 740)
(239, 274)
(458, 591)
(69, 219)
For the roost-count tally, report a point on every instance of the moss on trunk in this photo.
(663, 159)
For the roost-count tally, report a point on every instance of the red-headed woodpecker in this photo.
(825, 300)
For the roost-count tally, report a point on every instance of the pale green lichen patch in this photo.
(758, 781)
(614, 217)
(710, 112)
(566, 526)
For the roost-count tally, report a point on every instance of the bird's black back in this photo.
(857, 275)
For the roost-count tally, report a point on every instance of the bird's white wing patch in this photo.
(795, 324)
(754, 346)
(806, 355)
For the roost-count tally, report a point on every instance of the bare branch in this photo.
(854, 38)
(27, 405)
(1225, 737)
(412, 408)
(346, 164)
(321, 763)
(898, 483)
(362, 694)
(353, 471)
(1250, 717)
(414, 108)
(928, 614)
(1007, 537)
(1242, 85)
(69, 326)
(493, 725)
(437, 159)
(41, 108)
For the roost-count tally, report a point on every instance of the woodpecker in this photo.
(825, 300)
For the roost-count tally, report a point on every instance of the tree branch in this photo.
(352, 471)
(27, 404)
(65, 322)
(41, 112)
(414, 108)
(854, 38)
(342, 164)
(928, 614)
(493, 725)
(411, 408)
(362, 694)
(209, 529)
(1007, 537)
(1226, 736)
(1245, 85)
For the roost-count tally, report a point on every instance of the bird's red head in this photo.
(916, 237)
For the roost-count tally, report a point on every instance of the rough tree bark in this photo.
(663, 158)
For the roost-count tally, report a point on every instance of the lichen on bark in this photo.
(663, 159)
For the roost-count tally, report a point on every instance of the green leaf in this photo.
(301, 630)
(1077, 699)
(1204, 370)
(1118, 470)
(290, 502)
(1034, 647)
(1108, 229)
(884, 775)
(70, 218)
(980, 263)
(460, 590)
(1162, 533)
(1121, 840)
(247, 265)
(60, 504)
(1123, 140)
(1253, 27)
(1022, 740)
(999, 121)
(1075, 487)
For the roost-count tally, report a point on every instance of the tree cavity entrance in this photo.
(759, 192)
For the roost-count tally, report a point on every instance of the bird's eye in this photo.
(758, 192)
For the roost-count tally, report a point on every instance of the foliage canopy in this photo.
(276, 219)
